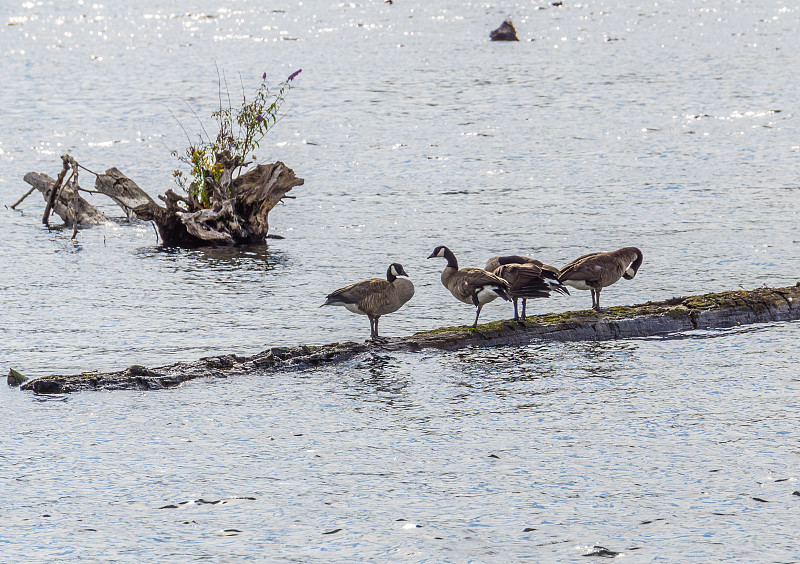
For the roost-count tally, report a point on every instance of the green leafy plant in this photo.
(239, 133)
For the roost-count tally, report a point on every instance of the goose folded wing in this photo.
(355, 293)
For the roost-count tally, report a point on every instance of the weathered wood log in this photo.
(506, 32)
(237, 212)
(125, 193)
(709, 311)
(64, 201)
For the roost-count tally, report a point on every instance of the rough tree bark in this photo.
(719, 310)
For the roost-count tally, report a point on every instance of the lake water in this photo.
(672, 126)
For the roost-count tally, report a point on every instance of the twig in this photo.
(203, 127)
(56, 187)
(186, 133)
(75, 199)
(28, 193)
(87, 170)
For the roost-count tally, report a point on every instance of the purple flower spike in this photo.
(264, 76)
(259, 117)
(294, 74)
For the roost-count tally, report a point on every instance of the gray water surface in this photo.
(671, 126)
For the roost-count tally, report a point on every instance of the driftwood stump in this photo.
(236, 213)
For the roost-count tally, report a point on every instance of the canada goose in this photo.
(595, 271)
(471, 285)
(376, 296)
(548, 274)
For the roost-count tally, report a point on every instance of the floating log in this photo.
(236, 213)
(708, 311)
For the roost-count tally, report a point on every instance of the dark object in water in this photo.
(505, 32)
(15, 378)
(602, 551)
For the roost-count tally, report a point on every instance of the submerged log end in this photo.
(15, 378)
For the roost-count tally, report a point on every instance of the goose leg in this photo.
(516, 315)
(524, 303)
(373, 327)
(596, 305)
(477, 314)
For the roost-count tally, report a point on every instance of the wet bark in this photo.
(708, 311)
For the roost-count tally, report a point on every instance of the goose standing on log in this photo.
(376, 296)
(523, 281)
(595, 271)
(471, 285)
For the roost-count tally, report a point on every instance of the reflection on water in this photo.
(379, 377)
(493, 367)
(251, 258)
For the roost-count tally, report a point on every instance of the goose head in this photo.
(443, 252)
(440, 251)
(631, 271)
(395, 269)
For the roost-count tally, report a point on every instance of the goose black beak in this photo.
(433, 255)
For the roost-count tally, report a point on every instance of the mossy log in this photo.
(708, 311)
